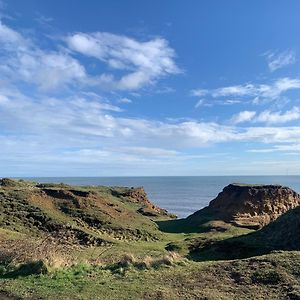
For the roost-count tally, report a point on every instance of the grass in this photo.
(275, 276)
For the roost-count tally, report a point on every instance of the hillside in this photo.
(96, 242)
(84, 215)
(281, 234)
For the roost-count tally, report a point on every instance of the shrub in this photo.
(266, 277)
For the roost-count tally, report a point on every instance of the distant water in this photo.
(179, 195)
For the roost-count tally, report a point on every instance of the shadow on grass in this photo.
(30, 268)
(240, 247)
(192, 224)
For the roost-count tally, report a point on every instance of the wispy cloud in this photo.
(22, 60)
(199, 92)
(144, 62)
(267, 116)
(84, 134)
(86, 121)
(125, 100)
(279, 60)
(278, 117)
(254, 92)
(278, 148)
(53, 111)
(202, 102)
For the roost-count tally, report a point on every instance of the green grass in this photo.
(275, 276)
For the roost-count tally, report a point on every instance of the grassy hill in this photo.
(68, 242)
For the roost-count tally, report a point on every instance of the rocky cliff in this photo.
(83, 215)
(139, 195)
(252, 206)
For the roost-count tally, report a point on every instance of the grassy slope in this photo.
(275, 276)
(91, 271)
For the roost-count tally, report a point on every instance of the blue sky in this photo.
(125, 88)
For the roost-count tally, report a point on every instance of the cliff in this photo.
(80, 215)
(251, 206)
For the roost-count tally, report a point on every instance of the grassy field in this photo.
(274, 276)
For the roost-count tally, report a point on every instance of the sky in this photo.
(149, 88)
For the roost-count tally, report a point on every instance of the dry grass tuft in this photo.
(148, 262)
(49, 250)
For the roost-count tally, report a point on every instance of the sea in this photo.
(181, 195)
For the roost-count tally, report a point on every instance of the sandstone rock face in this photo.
(253, 206)
(139, 195)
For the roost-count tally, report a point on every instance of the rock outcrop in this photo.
(251, 206)
(90, 216)
(254, 205)
(139, 195)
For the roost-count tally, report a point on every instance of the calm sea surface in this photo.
(179, 195)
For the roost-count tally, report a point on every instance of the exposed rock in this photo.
(86, 216)
(136, 194)
(251, 206)
(139, 195)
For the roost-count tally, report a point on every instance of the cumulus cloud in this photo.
(277, 60)
(143, 62)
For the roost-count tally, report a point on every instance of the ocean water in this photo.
(179, 195)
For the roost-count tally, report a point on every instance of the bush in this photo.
(30, 268)
(266, 277)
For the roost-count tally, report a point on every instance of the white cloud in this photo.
(148, 151)
(278, 117)
(199, 92)
(125, 100)
(81, 134)
(78, 125)
(144, 62)
(199, 103)
(23, 60)
(278, 148)
(256, 92)
(243, 116)
(279, 60)
(230, 102)
(267, 116)
(235, 90)
(10, 38)
(89, 122)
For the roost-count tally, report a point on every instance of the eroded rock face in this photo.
(139, 195)
(253, 206)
